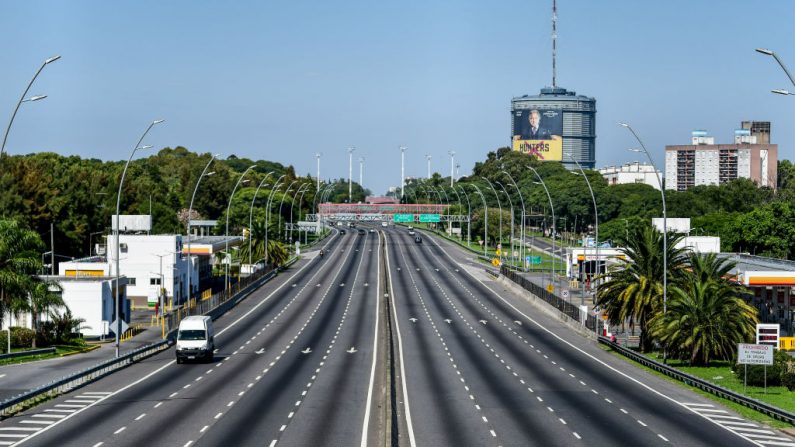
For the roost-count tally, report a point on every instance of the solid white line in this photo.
(366, 423)
(571, 345)
(412, 442)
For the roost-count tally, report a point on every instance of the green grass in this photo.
(60, 351)
(720, 373)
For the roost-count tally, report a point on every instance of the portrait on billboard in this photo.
(538, 132)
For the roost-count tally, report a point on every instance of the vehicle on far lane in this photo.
(195, 339)
(411, 233)
(417, 240)
(384, 224)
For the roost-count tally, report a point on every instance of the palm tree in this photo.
(706, 316)
(277, 253)
(257, 236)
(633, 289)
(19, 259)
(41, 299)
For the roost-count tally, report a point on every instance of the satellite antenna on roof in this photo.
(554, 38)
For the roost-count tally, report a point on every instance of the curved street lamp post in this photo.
(499, 205)
(522, 246)
(554, 229)
(596, 229)
(137, 147)
(226, 233)
(665, 221)
(23, 99)
(190, 212)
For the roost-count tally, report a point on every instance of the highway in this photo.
(277, 350)
(485, 369)
(302, 362)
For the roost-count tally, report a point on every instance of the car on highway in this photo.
(195, 339)
(384, 224)
(417, 240)
(372, 230)
(342, 231)
(361, 231)
(411, 233)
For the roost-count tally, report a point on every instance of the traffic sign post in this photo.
(759, 354)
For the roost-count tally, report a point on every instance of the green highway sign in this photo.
(403, 218)
(534, 259)
(429, 218)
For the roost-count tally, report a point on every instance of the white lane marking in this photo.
(143, 415)
(590, 356)
(366, 423)
(37, 422)
(119, 430)
(204, 428)
(97, 444)
(663, 438)
(218, 415)
(53, 416)
(409, 425)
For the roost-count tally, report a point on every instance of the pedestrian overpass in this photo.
(386, 212)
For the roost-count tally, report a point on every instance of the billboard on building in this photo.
(538, 132)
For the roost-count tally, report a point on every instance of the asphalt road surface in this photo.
(302, 362)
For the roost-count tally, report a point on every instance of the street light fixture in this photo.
(499, 205)
(190, 213)
(554, 229)
(452, 167)
(767, 52)
(22, 99)
(281, 203)
(226, 232)
(350, 173)
(276, 186)
(485, 220)
(136, 148)
(251, 216)
(402, 170)
(510, 202)
(665, 218)
(521, 231)
(596, 217)
(469, 216)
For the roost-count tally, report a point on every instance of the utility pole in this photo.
(350, 173)
(428, 157)
(52, 253)
(317, 155)
(402, 170)
(361, 170)
(452, 167)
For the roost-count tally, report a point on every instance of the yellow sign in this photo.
(498, 252)
(84, 273)
(550, 288)
(495, 262)
(544, 150)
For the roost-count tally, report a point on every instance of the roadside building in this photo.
(705, 163)
(632, 173)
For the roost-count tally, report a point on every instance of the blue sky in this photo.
(281, 80)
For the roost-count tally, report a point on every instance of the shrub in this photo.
(756, 373)
(3, 342)
(788, 375)
(22, 337)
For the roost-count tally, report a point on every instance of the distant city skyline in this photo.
(284, 82)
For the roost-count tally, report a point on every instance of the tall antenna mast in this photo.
(554, 38)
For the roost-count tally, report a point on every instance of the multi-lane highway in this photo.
(384, 327)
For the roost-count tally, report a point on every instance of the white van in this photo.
(195, 339)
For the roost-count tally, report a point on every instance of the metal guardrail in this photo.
(223, 301)
(27, 353)
(17, 403)
(553, 300)
(762, 407)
